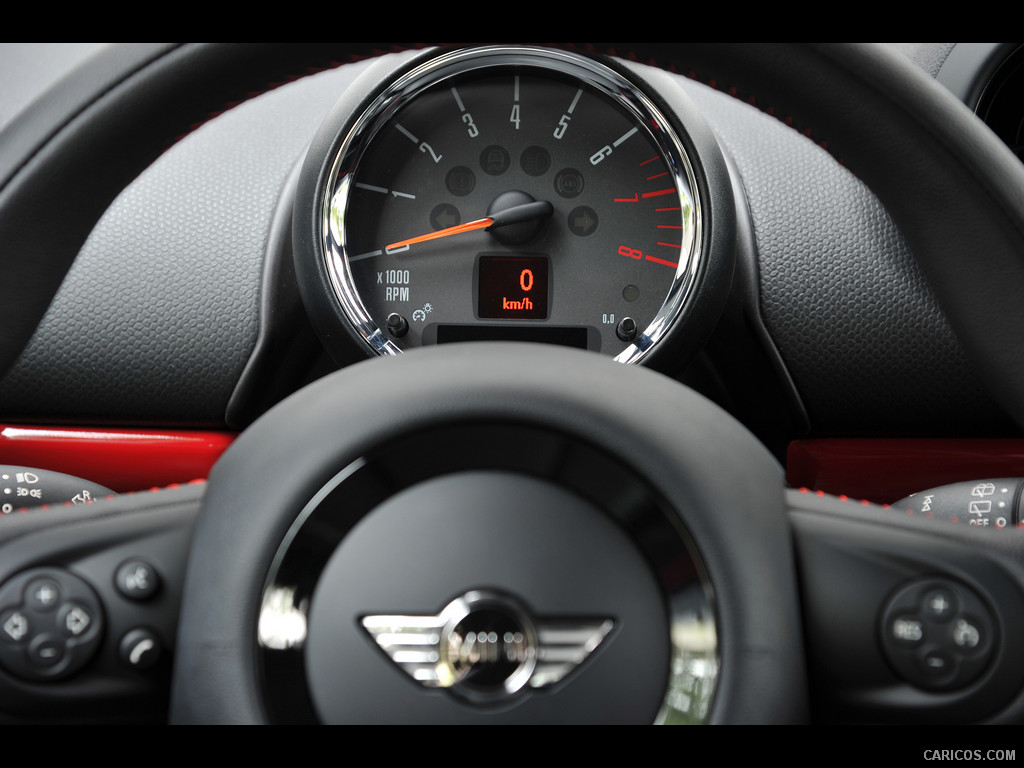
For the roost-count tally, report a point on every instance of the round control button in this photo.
(937, 664)
(137, 580)
(43, 594)
(74, 620)
(46, 650)
(967, 635)
(140, 649)
(907, 630)
(939, 604)
(14, 626)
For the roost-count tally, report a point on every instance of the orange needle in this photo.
(458, 229)
(517, 214)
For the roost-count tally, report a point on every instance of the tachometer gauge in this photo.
(509, 194)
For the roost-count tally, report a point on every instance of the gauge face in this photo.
(512, 194)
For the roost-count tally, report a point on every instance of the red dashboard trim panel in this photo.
(887, 470)
(882, 470)
(121, 459)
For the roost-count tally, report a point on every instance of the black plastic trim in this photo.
(286, 345)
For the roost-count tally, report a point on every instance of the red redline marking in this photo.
(660, 210)
(668, 191)
(669, 226)
(656, 176)
(645, 162)
(671, 245)
(667, 263)
(634, 199)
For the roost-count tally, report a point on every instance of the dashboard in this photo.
(382, 206)
(831, 275)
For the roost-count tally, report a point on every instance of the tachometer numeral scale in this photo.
(508, 196)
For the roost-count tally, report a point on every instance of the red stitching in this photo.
(841, 497)
(731, 90)
(308, 70)
(111, 496)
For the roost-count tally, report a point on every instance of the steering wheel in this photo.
(296, 477)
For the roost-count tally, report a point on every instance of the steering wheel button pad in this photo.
(938, 634)
(50, 624)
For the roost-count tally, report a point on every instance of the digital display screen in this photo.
(572, 336)
(513, 287)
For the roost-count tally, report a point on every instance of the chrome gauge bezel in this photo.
(609, 82)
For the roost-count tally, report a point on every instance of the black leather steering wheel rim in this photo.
(724, 485)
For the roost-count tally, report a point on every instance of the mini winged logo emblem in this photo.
(484, 645)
